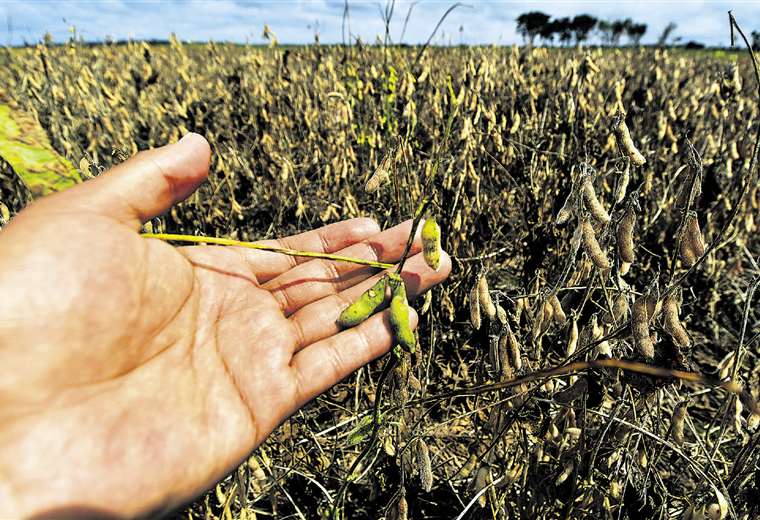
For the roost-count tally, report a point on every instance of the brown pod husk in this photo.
(654, 303)
(558, 314)
(474, 307)
(677, 422)
(595, 207)
(685, 252)
(424, 465)
(671, 308)
(484, 295)
(624, 140)
(505, 364)
(693, 235)
(515, 352)
(566, 211)
(572, 393)
(625, 236)
(572, 341)
(622, 184)
(640, 328)
(592, 247)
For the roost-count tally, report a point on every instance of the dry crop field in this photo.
(594, 353)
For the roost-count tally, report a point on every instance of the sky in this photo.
(296, 21)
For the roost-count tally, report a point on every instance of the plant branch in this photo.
(262, 247)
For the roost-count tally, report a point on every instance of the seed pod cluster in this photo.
(625, 142)
(592, 247)
(640, 328)
(431, 243)
(399, 315)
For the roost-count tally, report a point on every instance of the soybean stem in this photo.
(262, 247)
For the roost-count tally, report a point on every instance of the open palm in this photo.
(133, 374)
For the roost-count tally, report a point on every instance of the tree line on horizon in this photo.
(578, 29)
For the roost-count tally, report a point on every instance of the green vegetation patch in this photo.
(30, 154)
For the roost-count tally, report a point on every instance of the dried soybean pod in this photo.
(501, 314)
(592, 247)
(431, 243)
(515, 354)
(571, 393)
(640, 328)
(482, 479)
(671, 308)
(624, 140)
(365, 305)
(593, 204)
(654, 303)
(399, 317)
(484, 295)
(625, 236)
(572, 341)
(379, 176)
(597, 333)
(505, 365)
(677, 422)
(693, 235)
(685, 252)
(474, 307)
(558, 313)
(622, 184)
(402, 508)
(424, 465)
(566, 211)
(619, 308)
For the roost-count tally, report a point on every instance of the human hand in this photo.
(135, 374)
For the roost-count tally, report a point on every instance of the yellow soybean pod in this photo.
(365, 305)
(431, 243)
(402, 331)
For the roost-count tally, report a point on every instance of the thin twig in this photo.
(262, 247)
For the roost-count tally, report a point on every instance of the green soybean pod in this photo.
(402, 332)
(365, 305)
(431, 243)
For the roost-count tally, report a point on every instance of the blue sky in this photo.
(294, 21)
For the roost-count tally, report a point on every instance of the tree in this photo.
(547, 31)
(636, 31)
(756, 40)
(605, 30)
(581, 26)
(529, 25)
(618, 28)
(564, 29)
(666, 32)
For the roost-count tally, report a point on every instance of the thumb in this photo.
(146, 185)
